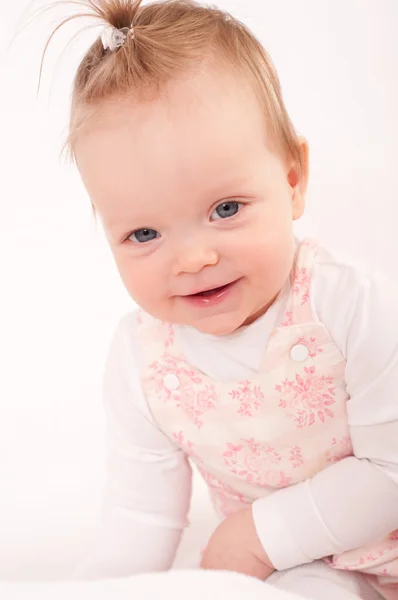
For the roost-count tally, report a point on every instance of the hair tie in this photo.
(114, 38)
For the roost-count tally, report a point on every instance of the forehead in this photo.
(194, 136)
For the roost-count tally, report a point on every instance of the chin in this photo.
(218, 326)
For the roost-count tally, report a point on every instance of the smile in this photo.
(212, 291)
(211, 297)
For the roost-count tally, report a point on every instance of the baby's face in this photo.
(191, 199)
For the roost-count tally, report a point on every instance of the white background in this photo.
(61, 296)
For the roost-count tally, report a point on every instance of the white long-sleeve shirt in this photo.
(351, 503)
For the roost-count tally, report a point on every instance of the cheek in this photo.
(145, 279)
(268, 259)
(137, 277)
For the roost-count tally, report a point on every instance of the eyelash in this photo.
(240, 204)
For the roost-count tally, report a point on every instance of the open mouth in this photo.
(212, 292)
(213, 297)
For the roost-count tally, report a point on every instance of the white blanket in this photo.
(172, 585)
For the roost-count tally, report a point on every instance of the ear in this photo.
(298, 181)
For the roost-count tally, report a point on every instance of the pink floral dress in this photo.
(250, 438)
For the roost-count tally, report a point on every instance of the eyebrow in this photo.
(219, 189)
(229, 182)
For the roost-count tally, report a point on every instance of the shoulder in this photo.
(347, 282)
(124, 338)
(137, 338)
(356, 304)
(126, 352)
(130, 422)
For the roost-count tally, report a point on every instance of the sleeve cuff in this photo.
(290, 528)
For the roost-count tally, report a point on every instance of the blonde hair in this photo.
(172, 37)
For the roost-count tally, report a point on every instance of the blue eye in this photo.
(226, 209)
(144, 235)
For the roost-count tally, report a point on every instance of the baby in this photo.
(253, 355)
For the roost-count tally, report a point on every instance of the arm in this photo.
(353, 502)
(148, 480)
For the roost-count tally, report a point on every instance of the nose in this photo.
(192, 257)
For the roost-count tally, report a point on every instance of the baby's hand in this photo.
(234, 546)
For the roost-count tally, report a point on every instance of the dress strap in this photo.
(298, 306)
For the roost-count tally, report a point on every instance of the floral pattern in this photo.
(223, 494)
(169, 341)
(288, 319)
(313, 345)
(253, 437)
(367, 560)
(301, 284)
(308, 397)
(185, 445)
(198, 397)
(228, 500)
(255, 462)
(296, 457)
(339, 449)
(249, 396)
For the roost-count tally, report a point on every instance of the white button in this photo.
(171, 381)
(299, 352)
